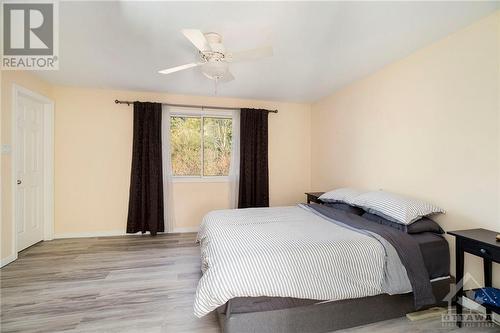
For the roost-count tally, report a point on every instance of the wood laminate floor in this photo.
(122, 284)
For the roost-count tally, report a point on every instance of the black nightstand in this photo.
(313, 197)
(482, 243)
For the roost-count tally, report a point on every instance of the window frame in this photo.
(201, 113)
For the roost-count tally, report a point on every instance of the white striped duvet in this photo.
(284, 252)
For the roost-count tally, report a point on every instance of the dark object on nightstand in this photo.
(482, 243)
(314, 197)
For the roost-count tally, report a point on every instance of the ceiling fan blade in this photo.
(178, 68)
(253, 54)
(198, 39)
(227, 77)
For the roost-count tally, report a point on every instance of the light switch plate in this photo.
(6, 149)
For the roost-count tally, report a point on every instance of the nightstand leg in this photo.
(488, 272)
(459, 255)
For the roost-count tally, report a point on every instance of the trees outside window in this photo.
(200, 145)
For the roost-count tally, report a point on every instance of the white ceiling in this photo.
(318, 47)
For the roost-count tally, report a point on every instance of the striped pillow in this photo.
(345, 194)
(395, 207)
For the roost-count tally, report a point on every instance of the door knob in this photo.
(19, 182)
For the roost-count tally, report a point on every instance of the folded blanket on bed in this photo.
(291, 252)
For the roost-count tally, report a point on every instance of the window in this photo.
(200, 144)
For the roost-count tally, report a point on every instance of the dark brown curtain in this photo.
(145, 207)
(254, 172)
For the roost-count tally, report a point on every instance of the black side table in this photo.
(482, 243)
(313, 197)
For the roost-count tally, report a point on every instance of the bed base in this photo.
(326, 317)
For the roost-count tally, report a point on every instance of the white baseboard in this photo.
(91, 234)
(186, 229)
(113, 233)
(8, 260)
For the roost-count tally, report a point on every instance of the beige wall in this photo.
(426, 126)
(93, 142)
(29, 81)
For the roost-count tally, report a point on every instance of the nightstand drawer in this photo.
(481, 250)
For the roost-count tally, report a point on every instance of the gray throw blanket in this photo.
(406, 247)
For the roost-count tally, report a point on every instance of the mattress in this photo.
(435, 251)
(309, 255)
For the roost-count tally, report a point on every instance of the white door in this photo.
(29, 171)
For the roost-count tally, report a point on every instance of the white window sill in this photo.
(188, 179)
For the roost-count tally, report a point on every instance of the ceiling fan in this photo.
(214, 58)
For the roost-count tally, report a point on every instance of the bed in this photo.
(314, 268)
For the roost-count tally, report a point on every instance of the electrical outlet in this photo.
(6, 149)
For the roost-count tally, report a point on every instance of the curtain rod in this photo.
(190, 106)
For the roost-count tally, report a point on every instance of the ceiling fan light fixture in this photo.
(214, 70)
